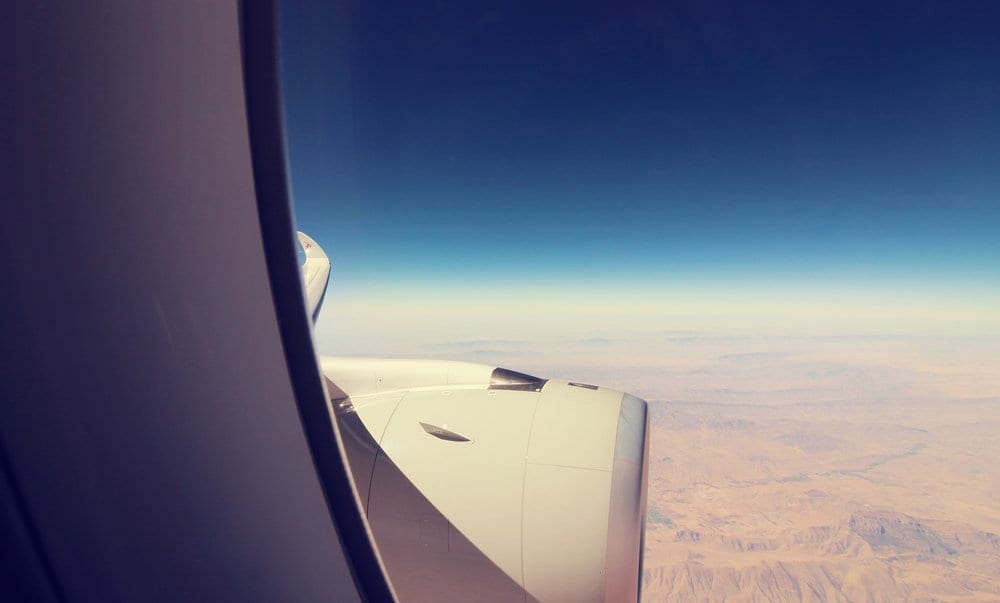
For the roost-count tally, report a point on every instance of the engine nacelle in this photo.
(485, 484)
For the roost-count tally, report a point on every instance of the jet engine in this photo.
(485, 484)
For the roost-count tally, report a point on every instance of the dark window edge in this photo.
(265, 126)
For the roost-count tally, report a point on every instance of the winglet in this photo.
(315, 274)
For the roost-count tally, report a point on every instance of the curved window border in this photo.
(265, 125)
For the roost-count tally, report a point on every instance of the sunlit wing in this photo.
(315, 274)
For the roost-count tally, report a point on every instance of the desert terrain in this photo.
(845, 471)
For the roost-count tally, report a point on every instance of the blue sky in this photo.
(712, 145)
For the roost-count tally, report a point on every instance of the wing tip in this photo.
(315, 273)
(311, 247)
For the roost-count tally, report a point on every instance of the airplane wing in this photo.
(483, 483)
(315, 274)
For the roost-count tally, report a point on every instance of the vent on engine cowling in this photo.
(512, 380)
(444, 434)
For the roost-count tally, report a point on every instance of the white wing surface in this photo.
(315, 274)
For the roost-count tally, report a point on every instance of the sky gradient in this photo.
(837, 160)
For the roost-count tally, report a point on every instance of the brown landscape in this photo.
(838, 481)
(830, 502)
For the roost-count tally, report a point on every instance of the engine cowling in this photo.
(485, 484)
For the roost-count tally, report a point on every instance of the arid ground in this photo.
(837, 470)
